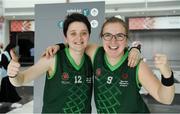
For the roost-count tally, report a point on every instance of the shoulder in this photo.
(91, 49)
(99, 51)
(87, 58)
(143, 64)
(144, 70)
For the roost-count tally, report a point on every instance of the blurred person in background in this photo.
(8, 93)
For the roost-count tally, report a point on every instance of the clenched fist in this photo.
(161, 62)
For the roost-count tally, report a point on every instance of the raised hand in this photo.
(161, 62)
(14, 65)
(51, 51)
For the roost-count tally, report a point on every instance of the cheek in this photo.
(105, 45)
(123, 43)
(86, 39)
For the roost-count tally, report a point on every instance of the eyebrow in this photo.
(115, 34)
(75, 30)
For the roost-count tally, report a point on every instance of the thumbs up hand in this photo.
(14, 65)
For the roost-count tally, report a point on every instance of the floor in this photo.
(26, 92)
(156, 107)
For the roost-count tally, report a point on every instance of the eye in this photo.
(84, 33)
(107, 35)
(120, 35)
(73, 33)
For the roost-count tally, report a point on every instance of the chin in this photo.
(80, 50)
(114, 55)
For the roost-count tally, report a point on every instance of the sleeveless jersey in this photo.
(69, 90)
(116, 88)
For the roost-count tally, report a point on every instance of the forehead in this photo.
(114, 27)
(77, 26)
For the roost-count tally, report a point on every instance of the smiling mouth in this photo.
(79, 43)
(113, 47)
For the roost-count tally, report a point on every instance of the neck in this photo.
(76, 55)
(114, 60)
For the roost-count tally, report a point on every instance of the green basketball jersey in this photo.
(116, 88)
(69, 90)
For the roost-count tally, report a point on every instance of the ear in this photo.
(65, 40)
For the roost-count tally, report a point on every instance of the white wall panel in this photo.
(27, 3)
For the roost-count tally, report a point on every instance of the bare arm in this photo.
(149, 81)
(90, 50)
(133, 58)
(18, 78)
(52, 50)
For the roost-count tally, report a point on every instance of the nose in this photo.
(113, 38)
(79, 37)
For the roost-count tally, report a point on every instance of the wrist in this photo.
(57, 46)
(61, 46)
(135, 48)
(167, 81)
(137, 45)
(166, 72)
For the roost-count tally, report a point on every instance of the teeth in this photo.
(113, 47)
(78, 43)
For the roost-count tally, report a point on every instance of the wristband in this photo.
(167, 81)
(138, 47)
(61, 45)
